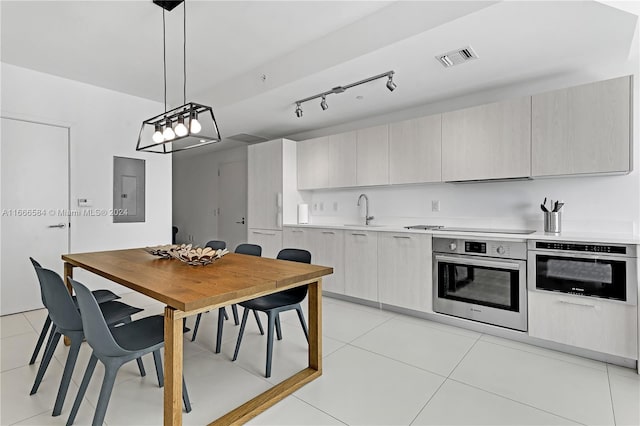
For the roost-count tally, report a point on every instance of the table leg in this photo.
(68, 273)
(315, 325)
(172, 368)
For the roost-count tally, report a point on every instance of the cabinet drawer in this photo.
(269, 240)
(599, 325)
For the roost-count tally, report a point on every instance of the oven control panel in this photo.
(489, 248)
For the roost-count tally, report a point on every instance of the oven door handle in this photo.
(466, 261)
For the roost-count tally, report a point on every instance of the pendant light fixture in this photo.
(185, 127)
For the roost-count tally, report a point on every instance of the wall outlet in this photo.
(435, 205)
(315, 207)
(335, 206)
(321, 206)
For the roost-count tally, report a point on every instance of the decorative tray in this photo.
(186, 253)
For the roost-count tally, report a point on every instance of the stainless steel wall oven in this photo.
(481, 280)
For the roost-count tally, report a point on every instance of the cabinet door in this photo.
(583, 129)
(342, 160)
(490, 141)
(415, 150)
(313, 163)
(372, 156)
(264, 189)
(327, 249)
(294, 237)
(361, 264)
(269, 240)
(404, 270)
(589, 323)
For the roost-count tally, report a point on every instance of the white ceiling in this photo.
(306, 47)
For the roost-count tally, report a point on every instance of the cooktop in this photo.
(485, 230)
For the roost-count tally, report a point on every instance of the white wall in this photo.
(103, 123)
(195, 193)
(598, 204)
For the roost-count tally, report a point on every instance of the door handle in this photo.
(60, 225)
(242, 221)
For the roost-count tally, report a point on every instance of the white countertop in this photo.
(612, 238)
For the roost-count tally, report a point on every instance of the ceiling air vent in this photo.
(456, 57)
(243, 137)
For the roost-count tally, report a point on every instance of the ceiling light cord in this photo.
(184, 50)
(164, 59)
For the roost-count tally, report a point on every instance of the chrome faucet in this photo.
(367, 218)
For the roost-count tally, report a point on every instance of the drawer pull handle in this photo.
(359, 235)
(586, 305)
(328, 232)
(403, 237)
(262, 233)
(297, 231)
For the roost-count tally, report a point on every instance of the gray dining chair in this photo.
(100, 295)
(273, 304)
(115, 347)
(66, 321)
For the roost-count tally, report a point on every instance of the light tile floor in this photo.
(379, 368)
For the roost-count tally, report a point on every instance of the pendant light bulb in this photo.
(181, 129)
(194, 124)
(168, 133)
(157, 135)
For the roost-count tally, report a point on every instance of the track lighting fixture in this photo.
(390, 84)
(340, 89)
(168, 132)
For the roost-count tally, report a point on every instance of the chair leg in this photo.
(278, 328)
(43, 334)
(302, 321)
(69, 365)
(157, 359)
(234, 309)
(221, 318)
(224, 312)
(255, 314)
(46, 359)
(110, 372)
(195, 327)
(91, 366)
(141, 367)
(271, 319)
(245, 315)
(185, 397)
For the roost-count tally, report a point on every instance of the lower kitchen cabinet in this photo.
(361, 264)
(299, 238)
(404, 270)
(590, 323)
(327, 248)
(269, 240)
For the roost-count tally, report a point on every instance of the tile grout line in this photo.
(446, 378)
(317, 408)
(613, 410)
(30, 417)
(516, 401)
(547, 356)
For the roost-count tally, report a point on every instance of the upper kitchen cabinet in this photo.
(313, 163)
(415, 150)
(372, 156)
(491, 141)
(342, 160)
(583, 129)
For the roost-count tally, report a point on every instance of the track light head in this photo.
(324, 104)
(390, 84)
(298, 110)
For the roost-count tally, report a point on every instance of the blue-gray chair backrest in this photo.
(296, 294)
(216, 244)
(96, 330)
(250, 249)
(58, 300)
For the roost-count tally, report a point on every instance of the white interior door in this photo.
(34, 202)
(232, 217)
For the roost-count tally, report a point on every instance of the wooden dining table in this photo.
(188, 290)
